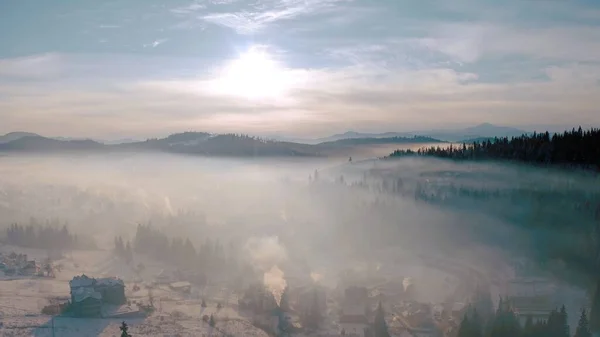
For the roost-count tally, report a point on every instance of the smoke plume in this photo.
(275, 282)
(266, 254)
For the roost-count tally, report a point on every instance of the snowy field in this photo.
(22, 299)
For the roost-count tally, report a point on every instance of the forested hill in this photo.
(205, 144)
(576, 148)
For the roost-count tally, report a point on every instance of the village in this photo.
(95, 292)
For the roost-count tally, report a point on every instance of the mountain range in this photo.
(202, 143)
(485, 130)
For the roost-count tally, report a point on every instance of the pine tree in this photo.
(563, 329)
(128, 253)
(583, 328)
(595, 311)
(119, 248)
(553, 324)
(476, 324)
(379, 325)
(505, 323)
(529, 328)
(124, 330)
(464, 329)
(471, 325)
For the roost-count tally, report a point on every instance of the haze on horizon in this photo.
(303, 68)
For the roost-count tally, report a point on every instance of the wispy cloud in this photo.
(470, 42)
(36, 66)
(188, 9)
(354, 95)
(108, 26)
(260, 15)
(155, 43)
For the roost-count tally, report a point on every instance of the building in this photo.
(29, 268)
(86, 302)
(184, 287)
(536, 307)
(528, 296)
(89, 294)
(112, 290)
(355, 325)
(79, 282)
(355, 308)
(163, 277)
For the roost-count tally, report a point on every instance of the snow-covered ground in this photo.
(22, 299)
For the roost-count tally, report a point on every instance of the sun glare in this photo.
(254, 75)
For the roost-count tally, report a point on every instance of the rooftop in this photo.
(109, 281)
(83, 293)
(81, 281)
(181, 284)
(86, 281)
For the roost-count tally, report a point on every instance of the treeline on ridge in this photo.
(571, 148)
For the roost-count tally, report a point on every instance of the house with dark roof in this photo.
(89, 294)
(86, 302)
(112, 290)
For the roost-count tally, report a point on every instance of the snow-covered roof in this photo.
(81, 294)
(457, 306)
(181, 284)
(81, 281)
(109, 281)
(162, 275)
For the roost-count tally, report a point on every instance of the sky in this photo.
(309, 68)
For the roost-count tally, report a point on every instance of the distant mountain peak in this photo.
(9, 137)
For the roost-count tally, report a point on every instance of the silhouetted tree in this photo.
(471, 325)
(124, 330)
(583, 327)
(595, 310)
(504, 322)
(563, 329)
(529, 328)
(379, 325)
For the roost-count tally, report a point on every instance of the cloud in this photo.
(331, 100)
(188, 9)
(36, 66)
(260, 15)
(345, 64)
(155, 43)
(108, 26)
(470, 42)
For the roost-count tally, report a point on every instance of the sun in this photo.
(254, 75)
